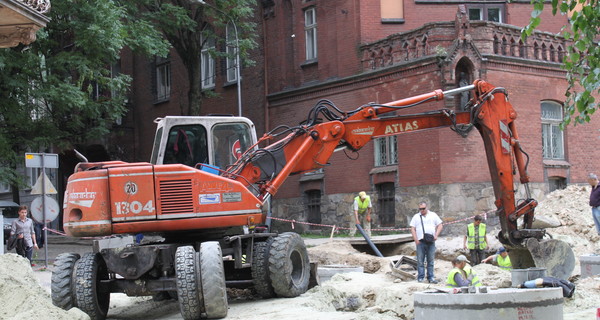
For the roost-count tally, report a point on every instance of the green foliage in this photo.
(582, 58)
(55, 91)
(188, 24)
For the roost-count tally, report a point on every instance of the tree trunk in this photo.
(195, 81)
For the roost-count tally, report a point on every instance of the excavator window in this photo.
(187, 144)
(230, 140)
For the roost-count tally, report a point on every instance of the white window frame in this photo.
(32, 174)
(480, 13)
(4, 187)
(163, 79)
(231, 49)
(484, 11)
(553, 143)
(207, 63)
(386, 151)
(310, 33)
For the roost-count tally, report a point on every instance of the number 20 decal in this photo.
(135, 207)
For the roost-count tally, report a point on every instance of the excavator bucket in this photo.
(554, 255)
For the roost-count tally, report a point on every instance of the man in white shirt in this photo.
(422, 223)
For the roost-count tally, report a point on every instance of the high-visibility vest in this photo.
(450, 280)
(474, 278)
(471, 236)
(363, 205)
(504, 263)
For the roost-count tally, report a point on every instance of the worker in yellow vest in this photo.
(476, 240)
(501, 259)
(362, 213)
(462, 274)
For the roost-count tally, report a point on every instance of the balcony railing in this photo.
(41, 6)
(436, 39)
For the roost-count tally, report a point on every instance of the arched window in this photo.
(552, 137)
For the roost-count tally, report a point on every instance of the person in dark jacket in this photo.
(595, 200)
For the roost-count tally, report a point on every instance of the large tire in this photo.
(61, 286)
(289, 267)
(188, 283)
(213, 280)
(89, 271)
(260, 269)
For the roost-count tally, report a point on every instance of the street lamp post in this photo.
(237, 54)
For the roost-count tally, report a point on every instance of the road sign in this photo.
(39, 160)
(37, 211)
(47, 184)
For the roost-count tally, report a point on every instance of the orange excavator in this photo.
(205, 190)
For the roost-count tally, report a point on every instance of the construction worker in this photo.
(501, 258)
(362, 213)
(476, 240)
(462, 274)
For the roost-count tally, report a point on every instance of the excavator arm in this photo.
(309, 146)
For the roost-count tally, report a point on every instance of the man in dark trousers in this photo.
(425, 227)
(476, 240)
(22, 228)
(595, 200)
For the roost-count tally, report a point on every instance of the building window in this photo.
(207, 63)
(392, 11)
(115, 71)
(552, 137)
(310, 31)
(4, 187)
(313, 205)
(163, 78)
(231, 53)
(32, 175)
(487, 12)
(386, 152)
(386, 202)
(556, 183)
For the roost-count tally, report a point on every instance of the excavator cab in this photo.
(210, 143)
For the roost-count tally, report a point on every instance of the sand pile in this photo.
(23, 298)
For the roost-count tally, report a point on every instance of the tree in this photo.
(55, 92)
(188, 25)
(582, 59)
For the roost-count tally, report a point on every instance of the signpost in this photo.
(43, 161)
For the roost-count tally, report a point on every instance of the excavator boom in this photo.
(309, 146)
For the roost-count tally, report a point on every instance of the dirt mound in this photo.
(571, 208)
(23, 298)
(342, 253)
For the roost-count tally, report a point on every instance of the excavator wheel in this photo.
(554, 255)
(260, 269)
(187, 280)
(89, 271)
(213, 280)
(289, 267)
(62, 280)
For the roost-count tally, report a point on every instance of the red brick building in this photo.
(353, 52)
